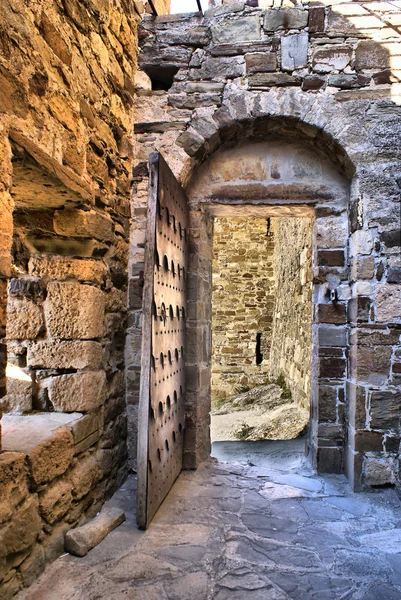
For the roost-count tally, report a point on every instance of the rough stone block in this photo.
(394, 275)
(331, 258)
(363, 267)
(331, 232)
(294, 51)
(287, 18)
(385, 409)
(222, 68)
(379, 471)
(359, 310)
(313, 83)
(13, 483)
(336, 58)
(370, 365)
(388, 303)
(24, 319)
(21, 532)
(79, 541)
(52, 458)
(371, 55)
(346, 81)
(55, 501)
(86, 430)
(330, 460)
(368, 441)
(327, 404)
(257, 80)
(65, 355)
(19, 390)
(77, 392)
(332, 313)
(361, 242)
(61, 268)
(79, 223)
(231, 31)
(316, 19)
(332, 368)
(261, 62)
(74, 311)
(83, 476)
(332, 336)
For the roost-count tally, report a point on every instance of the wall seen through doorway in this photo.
(261, 327)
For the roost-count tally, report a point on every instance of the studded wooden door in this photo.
(162, 392)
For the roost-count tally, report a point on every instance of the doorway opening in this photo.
(261, 328)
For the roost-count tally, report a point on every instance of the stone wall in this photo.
(242, 300)
(325, 77)
(67, 73)
(291, 344)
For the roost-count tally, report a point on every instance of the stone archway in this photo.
(277, 178)
(217, 100)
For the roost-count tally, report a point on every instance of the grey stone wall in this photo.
(324, 77)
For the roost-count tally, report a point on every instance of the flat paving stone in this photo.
(253, 523)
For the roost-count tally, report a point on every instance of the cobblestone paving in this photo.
(262, 527)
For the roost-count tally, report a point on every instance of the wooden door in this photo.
(162, 392)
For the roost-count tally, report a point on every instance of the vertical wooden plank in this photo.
(146, 352)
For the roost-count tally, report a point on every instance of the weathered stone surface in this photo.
(22, 531)
(13, 483)
(230, 31)
(346, 81)
(257, 80)
(222, 68)
(79, 223)
(33, 566)
(371, 364)
(79, 541)
(74, 311)
(294, 51)
(331, 313)
(62, 268)
(385, 409)
(261, 62)
(313, 83)
(316, 19)
(80, 392)
(388, 303)
(289, 18)
(379, 471)
(327, 59)
(65, 355)
(52, 457)
(371, 55)
(55, 501)
(83, 476)
(19, 390)
(24, 319)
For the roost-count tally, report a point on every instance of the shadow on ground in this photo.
(261, 526)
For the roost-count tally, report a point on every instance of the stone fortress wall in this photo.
(325, 77)
(242, 301)
(67, 77)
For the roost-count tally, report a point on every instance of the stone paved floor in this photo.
(265, 528)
